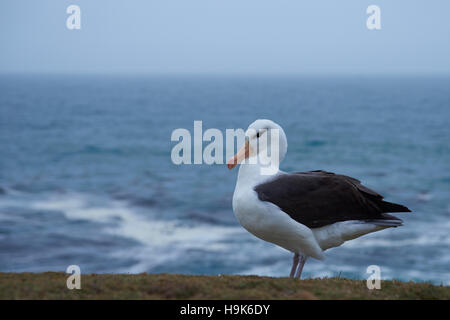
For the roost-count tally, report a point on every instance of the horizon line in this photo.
(228, 74)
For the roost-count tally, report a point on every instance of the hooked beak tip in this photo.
(240, 156)
(231, 165)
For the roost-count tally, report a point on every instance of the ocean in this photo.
(86, 176)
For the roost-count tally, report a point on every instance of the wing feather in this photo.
(319, 198)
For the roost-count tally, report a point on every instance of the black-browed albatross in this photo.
(303, 212)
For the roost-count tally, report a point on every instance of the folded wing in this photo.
(320, 198)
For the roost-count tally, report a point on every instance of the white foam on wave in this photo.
(424, 196)
(162, 240)
(129, 223)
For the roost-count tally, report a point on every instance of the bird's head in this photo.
(265, 144)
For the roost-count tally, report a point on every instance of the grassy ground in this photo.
(51, 285)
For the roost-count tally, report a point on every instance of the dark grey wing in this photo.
(319, 198)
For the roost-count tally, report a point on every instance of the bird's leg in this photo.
(300, 266)
(294, 265)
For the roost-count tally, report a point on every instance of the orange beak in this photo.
(242, 154)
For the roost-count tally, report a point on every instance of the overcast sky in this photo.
(225, 36)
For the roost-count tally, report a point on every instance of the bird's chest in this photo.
(251, 213)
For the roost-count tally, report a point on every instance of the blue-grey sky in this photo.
(225, 36)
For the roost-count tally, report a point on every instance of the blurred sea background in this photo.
(86, 176)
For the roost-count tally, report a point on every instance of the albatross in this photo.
(303, 212)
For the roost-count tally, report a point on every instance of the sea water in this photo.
(86, 176)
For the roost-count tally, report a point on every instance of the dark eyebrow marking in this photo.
(260, 132)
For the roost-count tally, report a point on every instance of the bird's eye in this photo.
(257, 135)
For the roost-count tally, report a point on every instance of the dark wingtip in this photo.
(393, 207)
(405, 209)
(400, 208)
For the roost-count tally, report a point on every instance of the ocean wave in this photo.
(161, 240)
(133, 223)
(139, 239)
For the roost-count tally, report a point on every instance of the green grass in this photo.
(52, 285)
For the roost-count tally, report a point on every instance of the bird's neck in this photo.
(252, 174)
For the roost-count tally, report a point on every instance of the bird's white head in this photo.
(265, 143)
